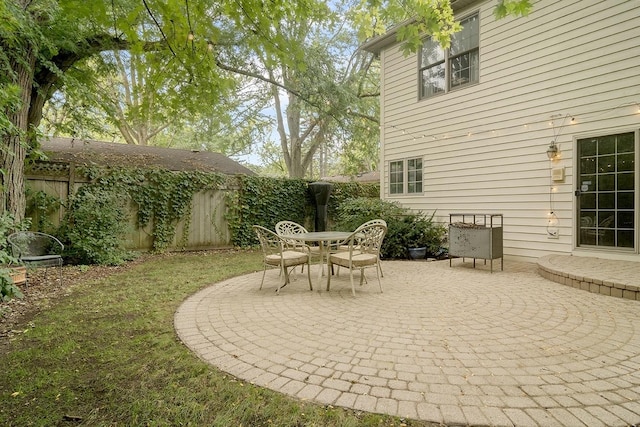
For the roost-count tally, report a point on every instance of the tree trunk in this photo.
(14, 150)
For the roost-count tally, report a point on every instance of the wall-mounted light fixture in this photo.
(553, 151)
(552, 225)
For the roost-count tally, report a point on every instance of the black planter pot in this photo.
(417, 253)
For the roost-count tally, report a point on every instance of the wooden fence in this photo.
(206, 228)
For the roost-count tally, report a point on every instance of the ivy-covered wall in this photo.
(164, 200)
(265, 201)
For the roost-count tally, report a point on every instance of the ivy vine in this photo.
(40, 206)
(265, 201)
(163, 197)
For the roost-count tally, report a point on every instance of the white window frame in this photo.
(587, 249)
(395, 174)
(409, 178)
(443, 62)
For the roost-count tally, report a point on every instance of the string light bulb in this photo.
(191, 36)
(571, 119)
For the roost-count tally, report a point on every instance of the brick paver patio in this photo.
(451, 345)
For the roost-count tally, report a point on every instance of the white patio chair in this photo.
(278, 253)
(363, 251)
(284, 228)
(366, 224)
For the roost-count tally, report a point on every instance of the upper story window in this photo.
(444, 69)
(407, 171)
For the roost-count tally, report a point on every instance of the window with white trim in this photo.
(414, 175)
(407, 171)
(442, 70)
(396, 177)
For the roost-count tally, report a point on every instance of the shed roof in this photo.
(89, 152)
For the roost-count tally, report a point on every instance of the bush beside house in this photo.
(405, 228)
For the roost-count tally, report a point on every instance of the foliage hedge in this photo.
(266, 201)
(405, 228)
(95, 224)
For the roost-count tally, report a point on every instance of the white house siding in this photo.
(571, 59)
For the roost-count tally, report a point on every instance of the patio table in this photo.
(324, 239)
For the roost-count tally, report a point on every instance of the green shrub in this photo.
(95, 227)
(8, 225)
(40, 206)
(264, 201)
(351, 213)
(8, 290)
(405, 228)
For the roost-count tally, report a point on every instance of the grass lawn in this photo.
(107, 355)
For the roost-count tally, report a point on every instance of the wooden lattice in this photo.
(48, 168)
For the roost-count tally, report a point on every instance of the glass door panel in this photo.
(606, 184)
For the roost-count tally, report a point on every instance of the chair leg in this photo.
(329, 277)
(286, 280)
(363, 276)
(264, 271)
(309, 275)
(353, 288)
(379, 282)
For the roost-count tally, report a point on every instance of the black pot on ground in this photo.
(417, 253)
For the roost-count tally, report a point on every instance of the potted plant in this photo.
(406, 229)
(423, 237)
(416, 243)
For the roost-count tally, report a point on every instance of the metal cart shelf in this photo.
(477, 236)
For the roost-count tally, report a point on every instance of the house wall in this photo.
(484, 145)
